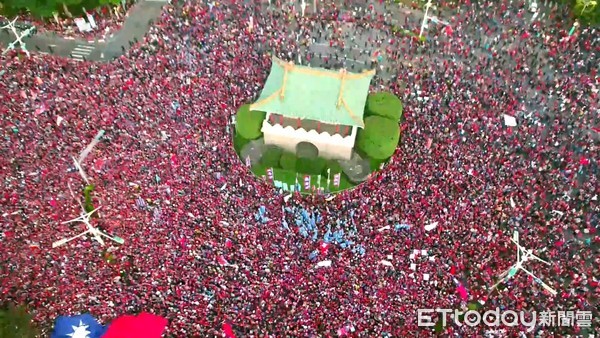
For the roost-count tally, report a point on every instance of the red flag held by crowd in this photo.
(222, 261)
(144, 325)
(228, 330)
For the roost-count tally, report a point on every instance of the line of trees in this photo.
(587, 11)
(15, 322)
(47, 9)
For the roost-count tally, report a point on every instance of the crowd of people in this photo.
(170, 184)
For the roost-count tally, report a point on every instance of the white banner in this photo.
(91, 20)
(336, 180)
(307, 182)
(82, 25)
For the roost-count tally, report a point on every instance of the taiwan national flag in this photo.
(144, 325)
(80, 326)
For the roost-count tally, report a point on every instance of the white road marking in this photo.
(81, 51)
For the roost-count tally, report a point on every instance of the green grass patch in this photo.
(88, 205)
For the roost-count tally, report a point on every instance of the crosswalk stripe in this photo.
(81, 51)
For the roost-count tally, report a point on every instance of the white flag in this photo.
(431, 226)
(91, 20)
(326, 263)
(386, 263)
(510, 121)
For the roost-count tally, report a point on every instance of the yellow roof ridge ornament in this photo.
(287, 67)
(343, 73)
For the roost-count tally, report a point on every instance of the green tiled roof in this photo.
(334, 97)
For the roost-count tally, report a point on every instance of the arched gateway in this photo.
(315, 105)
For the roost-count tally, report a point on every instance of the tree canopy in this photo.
(586, 11)
(385, 105)
(248, 123)
(379, 138)
(46, 8)
(16, 322)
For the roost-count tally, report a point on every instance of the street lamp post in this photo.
(427, 5)
(11, 26)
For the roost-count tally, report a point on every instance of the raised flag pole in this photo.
(425, 18)
(80, 170)
(85, 153)
(328, 179)
(90, 146)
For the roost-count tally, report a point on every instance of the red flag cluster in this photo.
(144, 325)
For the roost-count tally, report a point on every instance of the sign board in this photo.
(307, 182)
(83, 25)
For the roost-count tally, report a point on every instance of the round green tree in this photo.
(384, 104)
(249, 122)
(379, 138)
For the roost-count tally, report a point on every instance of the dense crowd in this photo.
(170, 183)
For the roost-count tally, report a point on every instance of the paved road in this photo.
(135, 26)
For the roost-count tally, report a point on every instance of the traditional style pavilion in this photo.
(314, 105)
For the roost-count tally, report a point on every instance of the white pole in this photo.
(315, 6)
(303, 6)
(67, 240)
(23, 45)
(81, 172)
(425, 18)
